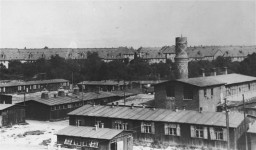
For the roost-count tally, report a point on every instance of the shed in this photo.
(11, 114)
(88, 138)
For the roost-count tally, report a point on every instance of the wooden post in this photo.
(245, 133)
(124, 92)
(227, 124)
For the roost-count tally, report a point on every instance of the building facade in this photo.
(163, 126)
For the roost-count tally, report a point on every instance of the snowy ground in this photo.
(15, 138)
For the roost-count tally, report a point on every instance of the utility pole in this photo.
(245, 134)
(83, 94)
(227, 123)
(124, 92)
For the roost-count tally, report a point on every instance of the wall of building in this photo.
(13, 115)
(37, 111)
(159, 135)
(33, 88)
(209, 101)
(161, 99)
(192, 104)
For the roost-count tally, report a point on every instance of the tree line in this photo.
(93, 68)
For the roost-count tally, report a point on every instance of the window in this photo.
(218, 133)
(147, 127)
(172, 129)
(78, 122)
(212, 92)
(188, 93)
(170, 91)
(69, 106)
(77, 142)
(68, 141)
(118, 124)
(199, 132)
(205, 92)
(99, 124)
(53, 108)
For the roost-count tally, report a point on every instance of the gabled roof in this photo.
(204, 51)
(168, 49)
(226, 79)
(160, 115)
(103, 82)
(16, 83)
(89, 132)
(4, 106)
(51, 101)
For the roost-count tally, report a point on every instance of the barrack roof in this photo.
(161, 115)
(89, 132)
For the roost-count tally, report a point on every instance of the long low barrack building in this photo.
(181, 127)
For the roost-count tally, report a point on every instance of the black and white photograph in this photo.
(127, 75)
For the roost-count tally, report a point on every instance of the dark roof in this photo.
(161, 115)
(72, 98)
(51, 101)
(89, 132)
(96, 95)
(103, 82)
(16, 83)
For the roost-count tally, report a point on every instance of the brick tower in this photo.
(181, 58)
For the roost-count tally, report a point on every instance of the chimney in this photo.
(200, 109)
(203, 73)
(76, 90)
(61, 92)
(55, 95)
(143, 106)
(96, 127)
(132, 106)
(117, 103)
(225, 70)
(176, 108)
(45, 94)
(113, 105)
(184, 107)
(102, 125)
(214, 72)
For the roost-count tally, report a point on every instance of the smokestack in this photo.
(214, 72)
(132, 106)
(61, 92)
(203, 73)
(181, 58)
(76, 90)
(45, 94)
(200, 109)
(225, 70)
(176, 108)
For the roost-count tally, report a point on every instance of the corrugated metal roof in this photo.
(4, 106)
(74, 98)
(225, 79)
(89, 132)
(103, 82)
(32, 82)
(162, 115)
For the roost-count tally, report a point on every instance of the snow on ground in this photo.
(15, 137)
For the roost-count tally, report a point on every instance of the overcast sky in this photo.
(60, 23)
